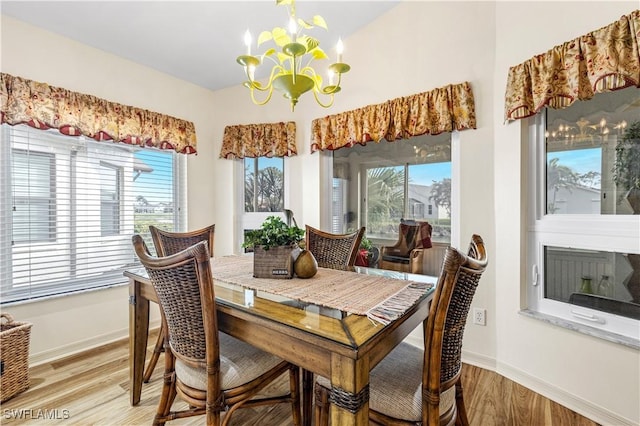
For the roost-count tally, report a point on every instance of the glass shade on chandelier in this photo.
(292, 73)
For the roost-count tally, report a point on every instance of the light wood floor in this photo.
(92, 388)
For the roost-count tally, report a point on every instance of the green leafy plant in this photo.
(273, 232)
(365, 243)
(626, 173)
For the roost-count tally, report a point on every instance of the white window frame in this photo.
(615, 233)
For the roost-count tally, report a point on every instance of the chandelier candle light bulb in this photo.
(288, 74)
(247, 42)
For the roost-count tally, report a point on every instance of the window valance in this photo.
(47, 107)
(603, 60)
(259, 140)
(440, 110)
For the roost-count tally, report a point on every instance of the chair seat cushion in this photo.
(395, 385)
(239, 364)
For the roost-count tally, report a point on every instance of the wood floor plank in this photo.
(92, 388)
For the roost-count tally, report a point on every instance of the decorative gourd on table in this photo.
(305, 265)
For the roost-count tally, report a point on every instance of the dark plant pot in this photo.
(276, 262)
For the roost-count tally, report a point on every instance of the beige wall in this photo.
(415, 47)
(586, 373)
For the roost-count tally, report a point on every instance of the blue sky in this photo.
(157, 181)
(425, 174)
(580, 160)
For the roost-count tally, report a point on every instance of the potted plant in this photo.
(275, 248)
(626, 173)
(368, 255)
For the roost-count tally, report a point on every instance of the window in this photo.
(263, 184)
(69, 205)
(378, 184)
(33, 195)
(110, 181)
(583, 235)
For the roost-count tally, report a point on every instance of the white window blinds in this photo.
(69, 206)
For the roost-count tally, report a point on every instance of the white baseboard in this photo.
(479, 360)
(82, 345)
(585, 408)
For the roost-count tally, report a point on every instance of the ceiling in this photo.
(196, 41)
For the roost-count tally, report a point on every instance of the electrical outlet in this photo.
(479, 316)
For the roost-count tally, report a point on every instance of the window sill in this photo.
(48, 297)
(584, 329)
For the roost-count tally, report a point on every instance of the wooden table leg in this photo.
(138, 335)
(349, 391)
(307, 397)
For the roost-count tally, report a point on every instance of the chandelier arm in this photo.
(315, 95)
(267, 99)
(267, 87)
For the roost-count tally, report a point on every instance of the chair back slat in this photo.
(333, 250)
(168, 243)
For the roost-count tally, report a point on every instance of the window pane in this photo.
(388, 181)
(430, 197)
(109, 200)
(154, 192)
(263, 184)
(70, 206)
(33, 196)
(385, 201)
(581, 144)
(601, 280)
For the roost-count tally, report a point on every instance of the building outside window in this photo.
(33, 195)
(584, 251)
(110, 196)
(69, 205)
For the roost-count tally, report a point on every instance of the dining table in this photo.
(338, 324)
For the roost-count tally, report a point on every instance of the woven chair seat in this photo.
(239, 364)
(395, 385)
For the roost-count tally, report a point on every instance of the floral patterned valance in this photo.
(259, 140)
(603, 60)
(46, 107)
(440, 110)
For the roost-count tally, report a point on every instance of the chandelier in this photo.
(292, 73)
(584, 132)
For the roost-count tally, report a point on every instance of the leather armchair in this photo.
(406, 255)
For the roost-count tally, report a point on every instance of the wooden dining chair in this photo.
(211, 371)
(333, 250)
(412, 386)
(167, 243)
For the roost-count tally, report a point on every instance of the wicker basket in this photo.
(277, 262)
(14, 356)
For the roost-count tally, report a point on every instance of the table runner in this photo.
(380, 298)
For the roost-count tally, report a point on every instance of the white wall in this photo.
(415, 47)
(595, 377)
